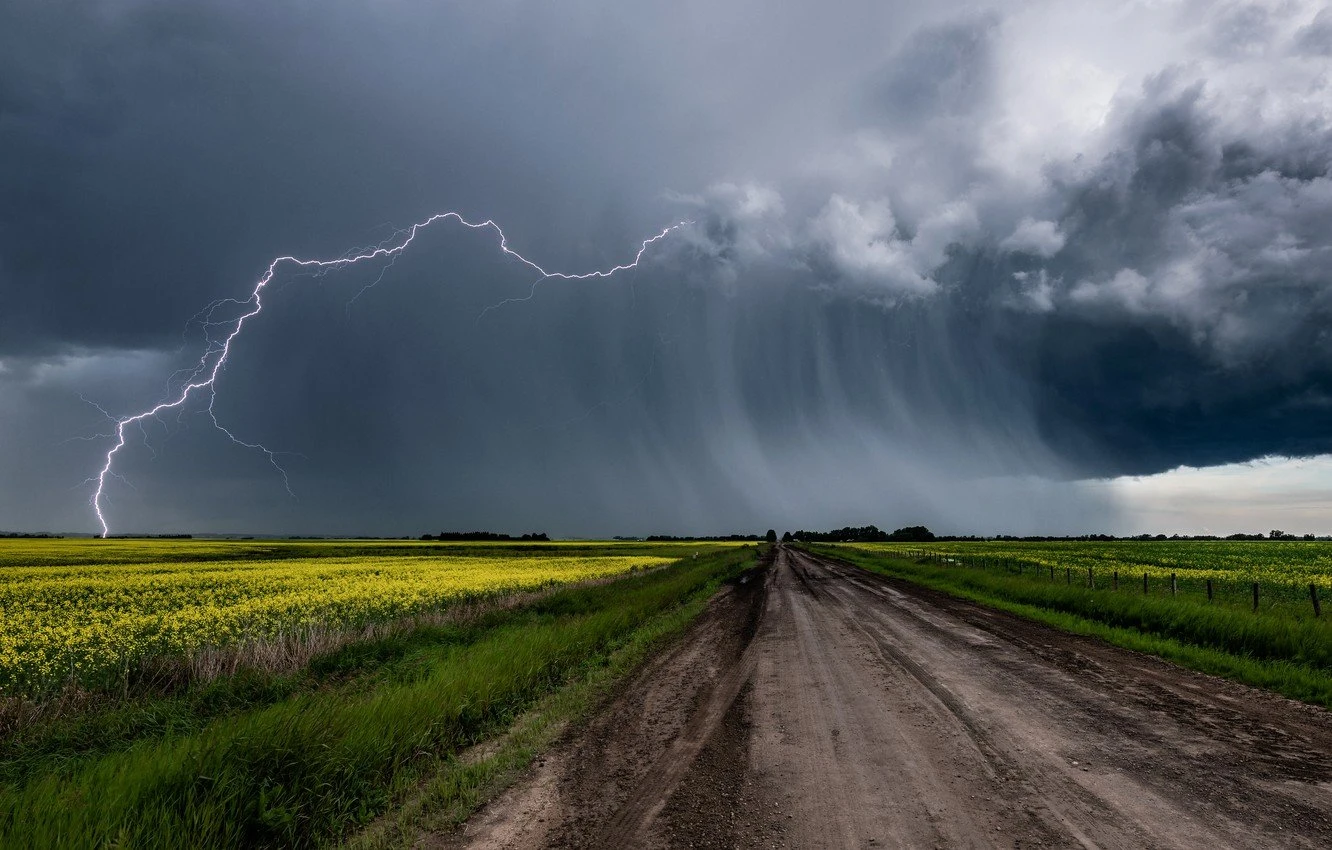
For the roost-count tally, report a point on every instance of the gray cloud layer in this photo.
(943, 259)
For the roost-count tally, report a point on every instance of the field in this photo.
(1282, 564)
(93, 613)
(1283, 570)
(393, 657)
(1245, 610)
(376, 694)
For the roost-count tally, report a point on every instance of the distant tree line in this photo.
(722, 538)
(865, 534)
(483, 535)
(849, 534)
(19, 535)
(150, 536)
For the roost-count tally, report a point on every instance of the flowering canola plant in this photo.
(84, 622)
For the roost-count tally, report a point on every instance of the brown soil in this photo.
(817, 705)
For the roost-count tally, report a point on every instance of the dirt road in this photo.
(817, 705)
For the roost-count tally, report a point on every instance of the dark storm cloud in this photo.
(157, 153)
(1315, 38)
(943, 260)
(942, 70)
(1191, 324)
(1173, 306)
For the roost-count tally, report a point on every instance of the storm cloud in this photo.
(944, 260)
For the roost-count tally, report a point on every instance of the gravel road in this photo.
(817, 705)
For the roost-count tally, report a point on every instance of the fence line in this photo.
(1016, 566)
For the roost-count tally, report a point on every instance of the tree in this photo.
(912, 534)
(771, 536)
(786, 537)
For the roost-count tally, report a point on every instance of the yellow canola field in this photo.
(85, 622)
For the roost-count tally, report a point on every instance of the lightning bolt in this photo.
(201, 379)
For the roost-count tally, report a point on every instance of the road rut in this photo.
(818, 705)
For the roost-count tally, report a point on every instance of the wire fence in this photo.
(1294, 598)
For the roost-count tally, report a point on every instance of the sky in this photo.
(1026, 267)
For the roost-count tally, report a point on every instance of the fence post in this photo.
(1313, 594)
(1209, 590)
(1052, 572)
(1068, 575)
(1116, 580)
(1144, 584)
(1255, 596)
(1174, 586)
(1091, 580)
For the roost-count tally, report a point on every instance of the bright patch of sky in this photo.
(1290, 494)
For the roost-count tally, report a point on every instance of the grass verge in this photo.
(463, 783)
(1290, 657)
(306, 765)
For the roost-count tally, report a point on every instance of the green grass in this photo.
(110, 726)
(451, 793)
(302, 760)
(1272, 650)
(1284, 569)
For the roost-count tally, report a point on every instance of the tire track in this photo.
(824, 706)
